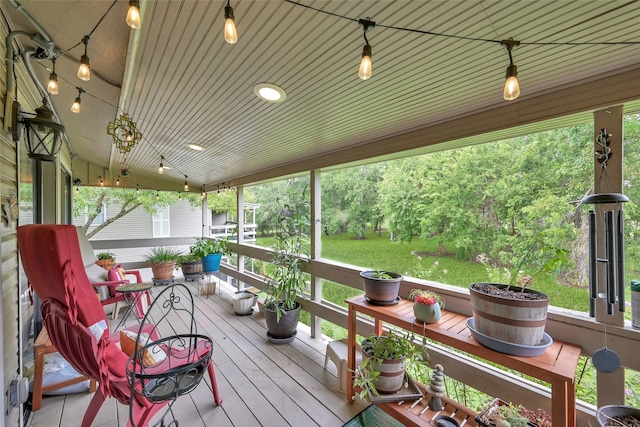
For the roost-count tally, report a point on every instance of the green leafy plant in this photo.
(392, 346)
(510, 416)
(204, 247)
(160, 254)
(381, 274)
(287, 281)
(106, 255)
(190, 257)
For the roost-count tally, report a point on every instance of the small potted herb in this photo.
(163, 260)
(106, 260)
(381, 287)
(396, 353)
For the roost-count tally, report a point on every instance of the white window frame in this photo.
(100, 219)
(161, 222)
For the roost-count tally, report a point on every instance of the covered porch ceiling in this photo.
(181, 83)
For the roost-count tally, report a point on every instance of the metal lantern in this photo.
(44, 135)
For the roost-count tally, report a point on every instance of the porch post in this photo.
(610, 386)
(240, 230)
(206, 217)
(316, 246)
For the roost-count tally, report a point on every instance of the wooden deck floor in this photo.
(261, 384)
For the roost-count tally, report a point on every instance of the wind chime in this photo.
(606, 360)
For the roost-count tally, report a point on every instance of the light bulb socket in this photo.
(228, 12)
(84, 59)
(512, 71)
(366, 51)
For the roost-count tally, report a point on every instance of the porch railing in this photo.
(562, 324)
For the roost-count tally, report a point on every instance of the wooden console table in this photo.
(556, 366)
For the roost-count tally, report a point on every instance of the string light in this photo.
(179, 195)
(230, 32)
(52, 87)
(76, 105)
(365, 70)
(157, 194)
(84, 72)
(161, 167)
(101, 181)
(118, 181)
(186, 186)
(137, 189)
(511, 86)
(133, 15)
(202, 193)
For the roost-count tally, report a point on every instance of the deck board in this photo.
(261, 384)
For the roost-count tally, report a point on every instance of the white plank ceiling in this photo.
(181, 83)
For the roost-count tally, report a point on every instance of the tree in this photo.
(91, 200)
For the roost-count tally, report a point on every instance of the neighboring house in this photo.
(178, 220)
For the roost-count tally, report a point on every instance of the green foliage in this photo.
(90, 200)
(190, 257)
(160, 254)
(377, 349)
(205, 246)
(106, 255)
(223, 201)
(287, 280)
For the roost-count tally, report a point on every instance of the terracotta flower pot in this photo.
(107, 264)
(163, 270)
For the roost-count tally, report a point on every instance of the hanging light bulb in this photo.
(511, 86)
(76, 105)
(118, 181)
(161, 167)
(137, 189)
(84, 72)
(230, 32)
(179, 195)
(186, 186)
(101, 181)
(77, 189)
(52, 87)
(133, 15)
(365, 70)
(157, 194)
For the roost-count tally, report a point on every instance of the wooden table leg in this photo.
(563, 404)
(351, 352)
(38, 373)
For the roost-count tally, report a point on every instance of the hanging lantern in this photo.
(44, 135)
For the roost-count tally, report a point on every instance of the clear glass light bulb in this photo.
(52, 87)
(511, 89)
(76, 106)
(366, 69)
(230, 32)
(161, 169)
(84, 73)
(133, 16)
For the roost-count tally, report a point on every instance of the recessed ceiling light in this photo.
(196, 147)
(269, 92)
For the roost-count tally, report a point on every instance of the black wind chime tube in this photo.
(593, 264)
(620, 259)
(610, 248)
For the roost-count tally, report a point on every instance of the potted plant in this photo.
(163, 260)
(427, 305)
(384, 361)
(191, 266)
(510, 313)
(106, 260)
(287, 282)
(210, 251)
(381, 287)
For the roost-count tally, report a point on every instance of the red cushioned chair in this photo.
(76, 322)
(119, 276)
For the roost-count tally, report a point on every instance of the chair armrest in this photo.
(111, 283)
(135, 273)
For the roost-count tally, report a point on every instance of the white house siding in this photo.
(185, 221)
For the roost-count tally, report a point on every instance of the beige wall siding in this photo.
(9, 309)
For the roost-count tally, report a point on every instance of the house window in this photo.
(161, 223)
(98, 220)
